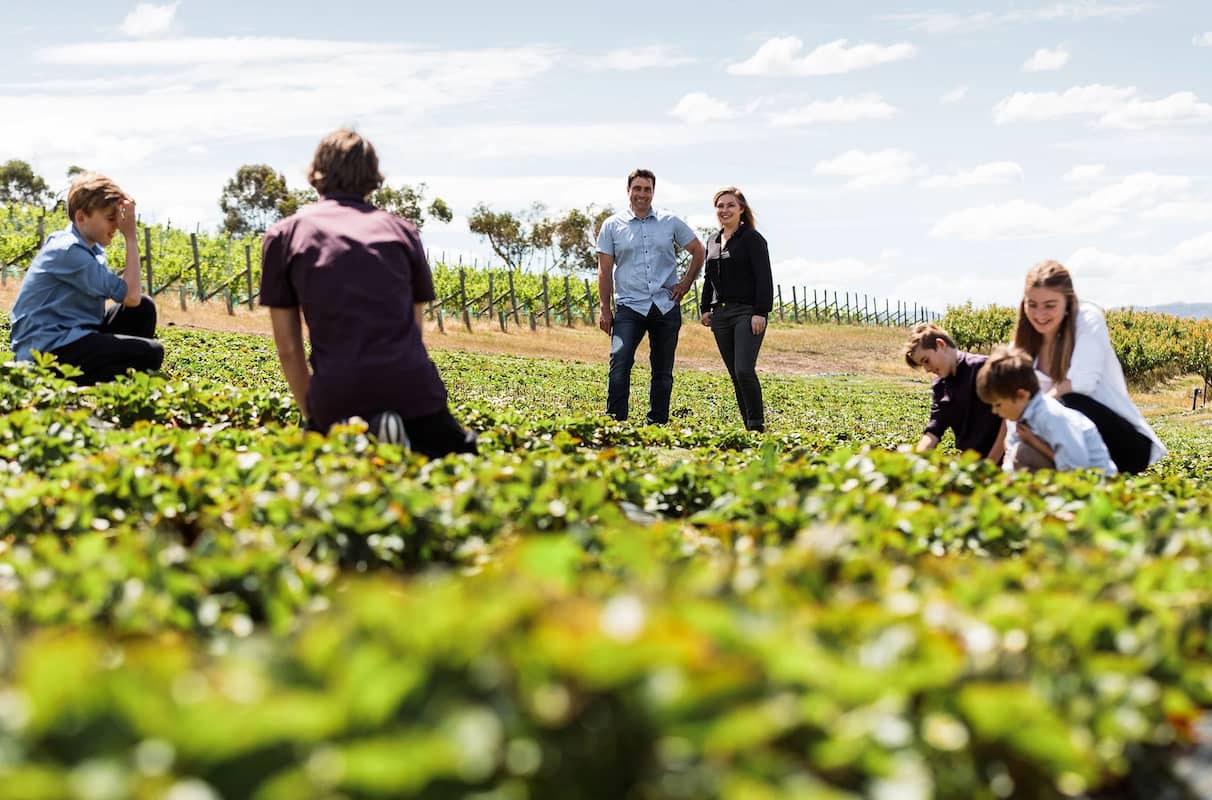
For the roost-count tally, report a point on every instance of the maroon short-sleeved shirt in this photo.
(355, 272)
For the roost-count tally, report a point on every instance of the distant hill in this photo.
(1188, 310)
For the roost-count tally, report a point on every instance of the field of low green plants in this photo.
(199, 601)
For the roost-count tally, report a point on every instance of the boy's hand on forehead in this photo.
(126, 216)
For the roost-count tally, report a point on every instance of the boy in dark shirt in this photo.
(954, 404)
(359, 278)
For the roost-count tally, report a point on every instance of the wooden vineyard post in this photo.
(513, 300)
(593, 320)
(148, 255)
(546, 304)
(568, 301)
(463, 297)
(795, 307)
(492, 307)
(227, 295)
(780, 289)
(441, 324)
(248, 274)
(193, 245)
(182, 288)
(501, 317)
(41, 232)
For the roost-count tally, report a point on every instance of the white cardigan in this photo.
(1095, 372)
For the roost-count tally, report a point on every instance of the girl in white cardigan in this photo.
(1077, 365)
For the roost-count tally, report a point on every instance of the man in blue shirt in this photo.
(637, 267)
(60, 308)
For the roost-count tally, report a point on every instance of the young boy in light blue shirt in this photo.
(60, 308)
(1040, 431)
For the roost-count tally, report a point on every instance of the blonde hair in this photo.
(345, 163)
(91, 191)
(747, 215)
(1049, 275)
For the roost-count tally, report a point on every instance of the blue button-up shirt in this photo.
(62, 297)
(645, 263)
(1075, 442)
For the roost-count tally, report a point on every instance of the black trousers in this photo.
(1129, 448)
(739, 347)
(124, 340)
(433, 435)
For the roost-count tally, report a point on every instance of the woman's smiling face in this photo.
(1045, 310)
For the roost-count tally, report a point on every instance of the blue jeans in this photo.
(629, 328)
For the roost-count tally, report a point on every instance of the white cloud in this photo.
(990, 174)
(702, 107)
(1114, 107)
(1094, 213)
(955, 95)
(1083, 173)
(1203, 40)
(865, 170)
(1141, 279)
(781, 56)
(638, 58)
(1045, 60)
(839, 109)
(1186, 211)
(149, 19)
(947, 23)
(298, 88)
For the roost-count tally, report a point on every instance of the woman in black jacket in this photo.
(738, 292)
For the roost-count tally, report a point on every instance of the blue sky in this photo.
(928, 152)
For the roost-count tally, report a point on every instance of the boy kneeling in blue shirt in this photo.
(1040, 431)
(60, 308)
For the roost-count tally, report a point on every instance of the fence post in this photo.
(546, 303)
(795, 307)
(780, 302)
(887, 314)
(533, 322)
(248, 274)
(41, 232)
(501, 317)
(441, 325)
(182, 288)
(568, 300)
(513, 299)
(462, 287)
(148, 255)
(593, 320)
(193, 245)
(492, 306)
(227, 296)
(816, 307)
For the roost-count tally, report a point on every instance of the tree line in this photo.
(258, 195)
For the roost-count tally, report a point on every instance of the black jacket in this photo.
(739, 273)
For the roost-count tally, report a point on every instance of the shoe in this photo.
(388, 427)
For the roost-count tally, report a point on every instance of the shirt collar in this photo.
(1033, 405)
(93, 248)
(345, 197)
(632, 215)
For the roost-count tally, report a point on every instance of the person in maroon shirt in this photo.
(358, 276)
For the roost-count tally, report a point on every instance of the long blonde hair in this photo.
(1049, 275)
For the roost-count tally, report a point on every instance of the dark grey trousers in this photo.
(731, 325)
